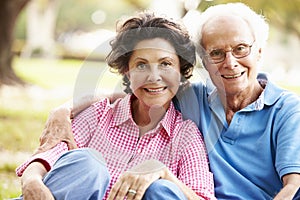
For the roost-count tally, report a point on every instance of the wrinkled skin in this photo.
(33, 187)
(57, 129)
(36, 190)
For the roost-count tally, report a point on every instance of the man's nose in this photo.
(230, 60)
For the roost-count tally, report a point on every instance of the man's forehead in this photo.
(224, 27)
(225, 19)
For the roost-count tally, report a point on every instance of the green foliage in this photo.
(20, 28)
(284, 14)
(20, 130)
(76, 15)
(9, 185)
(8, 168)
(48, 73)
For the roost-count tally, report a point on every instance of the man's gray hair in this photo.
(257, 22)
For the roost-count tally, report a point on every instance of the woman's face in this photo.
(154, 72)
(224, 34)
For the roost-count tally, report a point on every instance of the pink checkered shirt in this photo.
(110, 129)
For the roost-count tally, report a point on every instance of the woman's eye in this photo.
(141, 66)
(166, 64)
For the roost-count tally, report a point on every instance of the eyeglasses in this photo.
(239, 51)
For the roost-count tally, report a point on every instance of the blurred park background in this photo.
(52, 49)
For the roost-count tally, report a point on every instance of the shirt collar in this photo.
(169, 120)
(124, 115)
(268, 97)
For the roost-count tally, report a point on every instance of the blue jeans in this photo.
(82, 174)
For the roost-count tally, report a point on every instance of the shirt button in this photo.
(139, 151)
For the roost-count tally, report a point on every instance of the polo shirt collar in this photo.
(269, 96)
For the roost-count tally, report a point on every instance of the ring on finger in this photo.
(132, 191)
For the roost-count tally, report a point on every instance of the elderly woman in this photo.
(250, 125)
(139, 147)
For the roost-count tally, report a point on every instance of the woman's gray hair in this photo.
(257, 22)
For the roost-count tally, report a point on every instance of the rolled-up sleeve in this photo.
(47, 158)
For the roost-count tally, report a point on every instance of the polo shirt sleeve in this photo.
(47, 158)
(187, 102)
(286, 136)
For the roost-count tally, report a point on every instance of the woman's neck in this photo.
(146, 117)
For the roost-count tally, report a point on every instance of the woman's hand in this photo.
(58, 129)
(137, 179)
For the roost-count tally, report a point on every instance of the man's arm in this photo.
(58, 125)
(32, 183)
(291, 184)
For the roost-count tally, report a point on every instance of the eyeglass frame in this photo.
(207, 55)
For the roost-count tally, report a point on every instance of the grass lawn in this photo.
(24, 110)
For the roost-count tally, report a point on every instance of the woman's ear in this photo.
(127, 74)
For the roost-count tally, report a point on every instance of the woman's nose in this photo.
(154, 73)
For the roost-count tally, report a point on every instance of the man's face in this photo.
(231, 37)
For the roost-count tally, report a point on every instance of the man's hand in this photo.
(58, 129)
(58, 126)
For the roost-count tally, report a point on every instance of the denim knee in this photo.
(163, 189)
(80, 157)
(76, 173)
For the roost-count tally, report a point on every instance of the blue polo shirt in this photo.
(262, 143)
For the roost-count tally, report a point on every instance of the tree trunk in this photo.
(9, 11)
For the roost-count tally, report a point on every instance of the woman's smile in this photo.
(157, 90)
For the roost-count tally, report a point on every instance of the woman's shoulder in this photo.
(105, 103)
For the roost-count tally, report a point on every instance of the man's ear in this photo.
(259, 53)
(203, 62)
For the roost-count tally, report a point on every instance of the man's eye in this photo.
(216, 53)
(241, 49)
